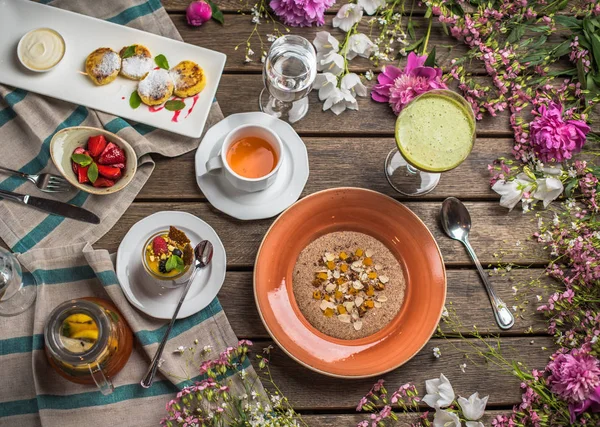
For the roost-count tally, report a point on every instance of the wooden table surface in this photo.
(349, 150)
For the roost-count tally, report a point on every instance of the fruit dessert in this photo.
(169, 254)
(103, 65)
(100, 164)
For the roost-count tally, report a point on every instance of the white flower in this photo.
(369, 75)
(474, 424)
(439, 392)
(352, 83)
(339, 100)
(271, 38)
(436, 352)
(538, 297)
(325, 83)
(548, 189)
(331, 62)
(445, 312)
(348, 15)
(572, 173)
(361, 45)
(325, 42)
(463, 366)
(511, 191)
(180, 349)
(370, 6)
(445, 419)
(473, 408)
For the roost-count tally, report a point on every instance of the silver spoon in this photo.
(203, 253)
(456, 222)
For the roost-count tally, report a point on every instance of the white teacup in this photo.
(218, 164)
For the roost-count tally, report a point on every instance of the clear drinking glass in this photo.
(15, 298)
(406, 171)
(289, 73)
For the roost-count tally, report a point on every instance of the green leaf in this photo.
(414, 46)
(130, 51)
(93, 172)
(570, 187)
(217, 15)
(569, 22)
(562, 49)
(596, 49)
(430, 61)
(174, 263)
(411, 30)
(581, 74)
(516, 33)
(428, 13)
(81, 159)
(135, 100)
(161, 61)
(174, 105)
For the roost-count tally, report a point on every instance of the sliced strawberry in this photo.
(103, 182)
(119, 165)
(80, 150)
(109, 172)
(159, 246)
(111, 155)
(82, 175)
(96, 145)
(75, 166)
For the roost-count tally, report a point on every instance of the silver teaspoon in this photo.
(456, 222)
(203, 253)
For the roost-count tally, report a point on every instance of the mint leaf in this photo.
(174, 263)
(430, 61)
(135, 100)
(217, 15)
(129, 51)
(174, 105)
(93, 172)
(162, 62)
(81, 159)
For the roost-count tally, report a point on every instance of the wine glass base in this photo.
(290, 112)
(406, 179)
(19, 302)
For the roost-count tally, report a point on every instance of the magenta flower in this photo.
(592, 403)
(574, 376)
(552, 137)
(301, 13)
(398, 87)
(198, 12)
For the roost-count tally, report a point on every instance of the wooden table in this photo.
(349, 150)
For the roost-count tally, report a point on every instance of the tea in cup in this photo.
(249, 159)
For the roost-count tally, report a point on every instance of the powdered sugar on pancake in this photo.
(156, 84)
(137, 66)
(111, 62)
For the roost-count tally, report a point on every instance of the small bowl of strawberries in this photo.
(93, 160)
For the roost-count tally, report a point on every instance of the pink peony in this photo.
(301, 13)
(399, 87)
(574, 376)
(198, 12)
(552, 137)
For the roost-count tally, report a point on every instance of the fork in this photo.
(46, 182)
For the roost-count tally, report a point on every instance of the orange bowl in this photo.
(368, 212)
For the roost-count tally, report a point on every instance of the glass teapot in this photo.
(88, 341)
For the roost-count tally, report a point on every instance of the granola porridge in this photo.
(348, 285)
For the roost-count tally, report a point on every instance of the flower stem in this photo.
(424, 50)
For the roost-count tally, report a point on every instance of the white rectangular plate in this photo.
(83, 35)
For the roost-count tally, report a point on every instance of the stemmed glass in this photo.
(410, 170)
(289, 73)
(15, 298)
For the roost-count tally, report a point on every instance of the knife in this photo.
(53, 206)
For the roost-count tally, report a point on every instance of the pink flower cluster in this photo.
(301, 13)
(398, 87)
(552, 137)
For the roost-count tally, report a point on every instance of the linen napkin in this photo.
(32, 393)
(28, 122)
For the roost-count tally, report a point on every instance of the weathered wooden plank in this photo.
(495, 231)
(341, 161)
(466, 300)
(308, 390)
(404, 420)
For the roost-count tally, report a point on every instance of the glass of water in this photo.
(289, 73)
(15, 297)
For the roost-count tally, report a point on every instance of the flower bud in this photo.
(198, 12)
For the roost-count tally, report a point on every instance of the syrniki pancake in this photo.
(156, 88)
(103, 65)
(136, 66)
(189, 79)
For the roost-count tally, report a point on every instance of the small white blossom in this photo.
(207, 349)
(538, 297)
(445, 419)
(445, 312)
(348, 15)
(436, 352)
(371, 6)
(515, 308)
(250, 52)
(255, 20)
(594, 340)
(359, 44)
(369, 75)
(352, 83)
(271, 38)
(440, 393)
(515, 289)
(474, 407)
(325, 42)
(180, 349)
(572, 173)
(463, 367)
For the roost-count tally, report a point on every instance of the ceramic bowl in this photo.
(66, 140)
(404, 234)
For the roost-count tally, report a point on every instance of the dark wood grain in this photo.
(309, 390)
(466, 300)
(404, 420)
(494, 232)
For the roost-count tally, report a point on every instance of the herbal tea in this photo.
(252, 157)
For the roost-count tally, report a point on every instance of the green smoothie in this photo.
(435, 132)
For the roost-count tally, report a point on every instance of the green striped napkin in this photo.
(28, 122)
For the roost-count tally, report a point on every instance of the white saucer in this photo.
(263, 204)
(157, 301)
